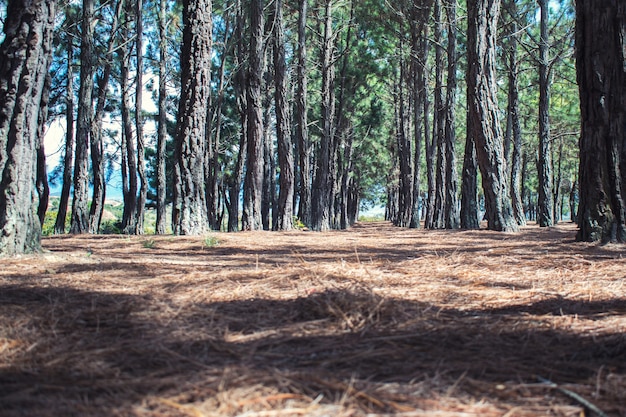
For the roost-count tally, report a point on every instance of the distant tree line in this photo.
(447, 112)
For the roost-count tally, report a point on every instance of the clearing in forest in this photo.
(367, 322)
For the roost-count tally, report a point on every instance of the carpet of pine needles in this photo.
(374, 321)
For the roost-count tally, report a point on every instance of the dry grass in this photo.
(373, 321)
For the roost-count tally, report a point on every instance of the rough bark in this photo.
(514, 125)
(405, 185)
(141, 152)
(253, 184)
(284, 216)
(469, 186)
(322, 187)
(452, 215)
(193, 123)
(302, 129)
(483, 122)
(161, 203)
(129, 160)
(68, 155)
(601, 74)
(97, 151)
(544, 162)
(419, 57)
(43, 189)
(80, 210)
(234, 180)
(436, 219)
(24, 56)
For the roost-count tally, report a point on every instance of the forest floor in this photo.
(374, 321)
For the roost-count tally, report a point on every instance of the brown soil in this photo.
(368, 322)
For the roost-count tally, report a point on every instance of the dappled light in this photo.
(372, 321)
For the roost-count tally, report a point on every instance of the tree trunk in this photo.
(129, 161)
(97, 150)
(253, 186)
(268, 193)
(68, 155)
(43, 189)
(141, 153)
(322, 188)
(161, 203)
(513, 119)
(452, 215)
(213, 167)
(25, 56)
(302, 129)
(284, 217)
(193, 123)
(601, 74)
(405, 187)
(80, 210)
(419, 57)
(544, 163)
(234, 180)
(483, 122)
(437, 220)
(469, 186)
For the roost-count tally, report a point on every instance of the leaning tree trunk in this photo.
(25, 57)
(80, 210)
(483, 122)
(544, 163)
(192, 130)
(601, 73)
(253, 184)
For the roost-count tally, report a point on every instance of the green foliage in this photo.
(149, 243)
(210, 241)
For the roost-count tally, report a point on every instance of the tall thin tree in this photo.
(253, 186)
(80, 210)
(284, 217)
(545, 208)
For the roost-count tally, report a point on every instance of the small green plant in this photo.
(210, 241)
(149, 243)
(297, 223)
(111, 227)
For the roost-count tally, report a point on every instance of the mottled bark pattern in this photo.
(302, 129)
(161, 188)
(483, 120)
(80, 210)
(544, 160)
(253, 183)
(601, 73)
(284, 216)
(193, 126)
(24, 60)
